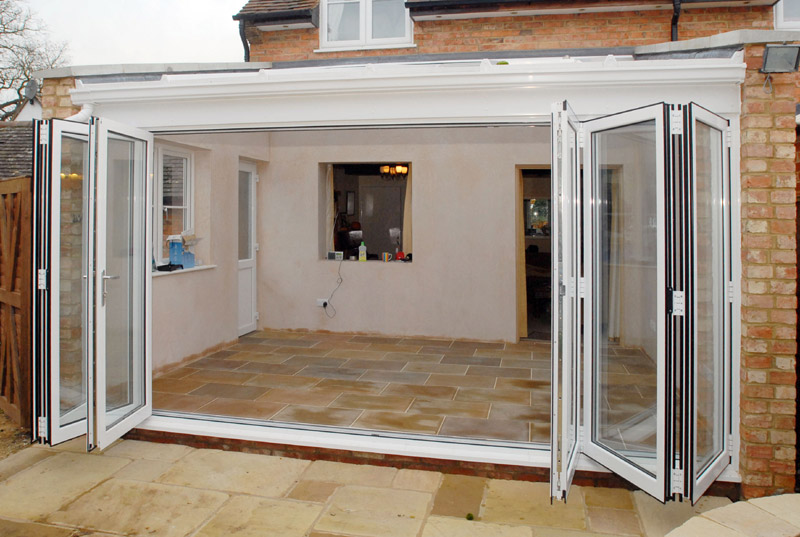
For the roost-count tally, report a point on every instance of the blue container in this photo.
(175, 249)
(188, 260)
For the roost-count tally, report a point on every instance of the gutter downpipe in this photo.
(676, 14)
(84, 115)
(245, 44)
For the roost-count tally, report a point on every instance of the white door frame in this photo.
(247, 269)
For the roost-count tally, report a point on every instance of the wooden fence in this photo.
(15, 299)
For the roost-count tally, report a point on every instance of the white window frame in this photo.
(780, 22)
(158, 205)
(365, 30)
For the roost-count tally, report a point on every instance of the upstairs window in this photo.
(364, 24)
(787, 15)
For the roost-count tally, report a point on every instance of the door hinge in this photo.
(581, 287)
(676, 121)
(677, 303)
(573, 289)
(558, 143)
(728, 137)
(581, 141)
(730, 291)
(677, 480)
(41, 427)
(258, 178)
(257, 316)
(730, 444)
(41, 279)
(256, 247)
(44, 133)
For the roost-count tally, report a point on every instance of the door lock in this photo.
(105, 277)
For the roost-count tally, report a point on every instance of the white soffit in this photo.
(460, 92)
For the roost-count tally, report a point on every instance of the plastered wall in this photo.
(462, 280)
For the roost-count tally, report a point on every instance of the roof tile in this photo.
(276, 6)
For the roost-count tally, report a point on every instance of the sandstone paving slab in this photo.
(244, 473)
(559, 532)
(135, 449)
(659, 519)
(420, 480)
(350, 474)
(370, 511)
(144, 470)
(751, 521)
(459, 495)
(703, 527)
(518, 502)
(21, 460)
(43, 488)
(137, 508)
(785, 506)
(247, 516)
(614, 521)
(608, 497)
(313, 491)
(458, 527)
(9, 528)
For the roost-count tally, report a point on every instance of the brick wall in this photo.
(56, 102)
(585, 30)
(769, 281)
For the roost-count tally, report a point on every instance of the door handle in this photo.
(105, 277)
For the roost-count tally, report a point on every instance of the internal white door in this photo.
(247, 248)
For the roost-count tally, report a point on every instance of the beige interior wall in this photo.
(462, 282)
(197, 310)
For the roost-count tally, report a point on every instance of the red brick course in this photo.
(584, 30)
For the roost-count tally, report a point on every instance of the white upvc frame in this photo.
(160, 208)
(700, 483)
(365, 40)
(781, 23)
(653, 483)
(250, 264)
(102, 431)
(565, 415)
(56, 432)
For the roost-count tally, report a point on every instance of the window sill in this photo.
(157, 274)
(322, 50)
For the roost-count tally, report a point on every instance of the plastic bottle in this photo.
(362, 252)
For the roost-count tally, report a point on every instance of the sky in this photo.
(100, 32)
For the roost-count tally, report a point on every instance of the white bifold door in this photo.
(641, 302)
(92, 200)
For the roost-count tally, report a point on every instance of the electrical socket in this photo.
(322, 302)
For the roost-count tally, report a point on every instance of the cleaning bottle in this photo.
(362, 252)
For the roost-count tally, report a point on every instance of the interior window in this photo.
(175, 202)
(364, 23)
(370, 204)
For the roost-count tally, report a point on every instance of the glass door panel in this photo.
(566, 335)
(247, 255)
(625, 383)
(122, 370)
(69, 248)
(707, 371)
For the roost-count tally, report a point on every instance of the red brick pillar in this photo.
(769, 272)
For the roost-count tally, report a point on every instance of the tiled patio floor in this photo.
(441, 387)
(167, 490)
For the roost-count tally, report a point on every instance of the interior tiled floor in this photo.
(455, 388)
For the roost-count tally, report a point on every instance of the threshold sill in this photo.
(158, 274)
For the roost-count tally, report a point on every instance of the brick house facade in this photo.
(768, 156)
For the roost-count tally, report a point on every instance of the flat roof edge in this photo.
(736, 38)
(150, 68)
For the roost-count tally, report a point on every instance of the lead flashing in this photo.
(735, 39)
(151, 69)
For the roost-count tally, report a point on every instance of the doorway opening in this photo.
(536, 210)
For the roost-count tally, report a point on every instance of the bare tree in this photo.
(24, 49)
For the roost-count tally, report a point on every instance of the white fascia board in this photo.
(413, 94)
(281, 27)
